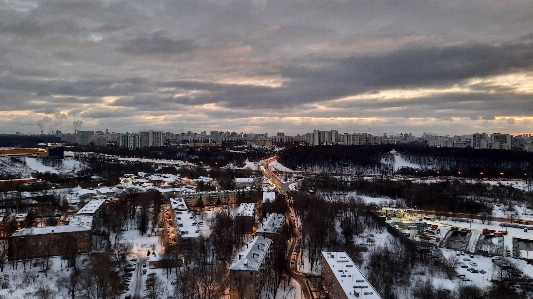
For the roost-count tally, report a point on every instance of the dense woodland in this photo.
(216, 155)
(443, 196)
(332, 223)
(365, 159)
(26, 141)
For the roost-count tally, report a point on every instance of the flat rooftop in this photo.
(246, 209)
(91, 207)
(252, 255)
(272, 224)
(348, 275)
(50, 230)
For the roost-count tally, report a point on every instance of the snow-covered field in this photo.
(400, 163)
(276, 166)
(23, 167)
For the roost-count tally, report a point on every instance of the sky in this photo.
(380, 66)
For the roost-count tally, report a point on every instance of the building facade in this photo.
(39, 242)
(342, 279)
(249, 271)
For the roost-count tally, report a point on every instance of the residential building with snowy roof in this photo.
(271, 226)
(86, 193)
(249, 270)
(87, 215)
(244, 183)
(342, 279)
(186, 225)
(269, 196)
(178, 204)
(245, 216)
(35, 242)
(92, 207)
(246, 210)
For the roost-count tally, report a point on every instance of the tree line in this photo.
(434, 161)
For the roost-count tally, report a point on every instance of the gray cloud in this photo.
(157, 43)
(100, 61)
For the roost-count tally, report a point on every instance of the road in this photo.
(137, 279)
(283, 188)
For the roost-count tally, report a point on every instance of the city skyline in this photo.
(267, 66)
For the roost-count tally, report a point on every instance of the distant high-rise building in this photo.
(501, 141)
(477, 140)
(154, 138)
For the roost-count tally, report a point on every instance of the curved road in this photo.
(283, 189)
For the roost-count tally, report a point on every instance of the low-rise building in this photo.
(37, 242)
(249, 270)
(178, 204)
(271, 227)
(245, 216)
(89, 215)
(186, 225)
(342, 279)
(244, 183)
(269, 196)
(246, 210)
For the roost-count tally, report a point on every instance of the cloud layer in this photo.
(450, 67)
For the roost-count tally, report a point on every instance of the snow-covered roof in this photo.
(81, 220)
(272, 224)
(138, 181)
(349, 276)
(269, 196)
(163, 177)
(49, 230)
(186, 225)
(178, 204)
(91, 207)
(246, 209)
(244, 180)
(105, 190)
(252, 256)
(85, 192)
(203, 179)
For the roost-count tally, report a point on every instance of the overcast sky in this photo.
(447, 67)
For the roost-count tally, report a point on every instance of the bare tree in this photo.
(70, 283)
(44, 292)
(155, 288)
(99, 280)
(450, 265)
(3, 254)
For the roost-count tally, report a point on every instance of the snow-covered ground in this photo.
(28, 165)
(290, 291)
(400, 163)
(251, 165)
(276, 166)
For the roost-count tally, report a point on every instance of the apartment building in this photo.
(245, 216)
(249, 270)
(342, 279)
(271, 226)
(38, 242)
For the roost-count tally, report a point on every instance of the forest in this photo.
(365, 159)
